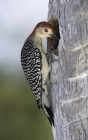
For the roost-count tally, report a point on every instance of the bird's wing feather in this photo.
(32, 65)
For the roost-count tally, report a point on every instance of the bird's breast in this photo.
(45, 69)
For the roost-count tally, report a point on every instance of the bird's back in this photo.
(31, 64)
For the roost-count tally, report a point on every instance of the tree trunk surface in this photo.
(69, 74)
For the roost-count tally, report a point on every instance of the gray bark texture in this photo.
(69, 74)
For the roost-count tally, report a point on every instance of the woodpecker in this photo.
(35, 65)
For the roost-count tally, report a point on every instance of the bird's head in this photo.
(44, 29)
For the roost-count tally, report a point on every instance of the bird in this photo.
(35, 65)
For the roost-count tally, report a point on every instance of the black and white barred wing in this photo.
(32, 65)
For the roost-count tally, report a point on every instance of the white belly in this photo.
(45, 69)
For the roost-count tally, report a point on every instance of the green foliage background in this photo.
(20, 119)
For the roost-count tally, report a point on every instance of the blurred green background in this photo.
(20, 119)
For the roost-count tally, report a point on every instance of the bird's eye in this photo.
(46, 30)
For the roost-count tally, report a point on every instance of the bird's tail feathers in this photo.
(49, 114)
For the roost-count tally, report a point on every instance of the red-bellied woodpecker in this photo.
(35, 65)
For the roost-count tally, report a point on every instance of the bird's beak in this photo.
(54, 36)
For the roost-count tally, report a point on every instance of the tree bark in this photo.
(69, 75)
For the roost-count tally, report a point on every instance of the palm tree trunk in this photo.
(69, 75)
